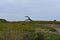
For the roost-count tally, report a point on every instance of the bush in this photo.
(3, 20)
(1, 38)
(33, 36)
(40, 36)
(53, 30)
(27, 37)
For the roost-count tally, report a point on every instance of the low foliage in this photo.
(26, 31)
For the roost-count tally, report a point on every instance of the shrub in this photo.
(1, 38)
(53, 30)
(3, 20)
(40, 36)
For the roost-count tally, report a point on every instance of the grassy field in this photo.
(27, 31)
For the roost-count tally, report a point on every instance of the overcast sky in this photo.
(36, 9)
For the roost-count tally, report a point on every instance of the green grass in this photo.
(49, 36)
(21, 30)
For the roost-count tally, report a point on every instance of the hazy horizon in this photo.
(15, 10)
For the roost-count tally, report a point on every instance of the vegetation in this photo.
(3, 20)
(29, 30)
(28, 18)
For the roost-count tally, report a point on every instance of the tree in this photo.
(28, 18)
(3, 20)
(54, 20)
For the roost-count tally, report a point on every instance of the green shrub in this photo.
(53, 30)
(40, 36)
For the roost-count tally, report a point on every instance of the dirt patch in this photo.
(55, 26)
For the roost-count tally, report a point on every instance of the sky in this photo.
(15, 10)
